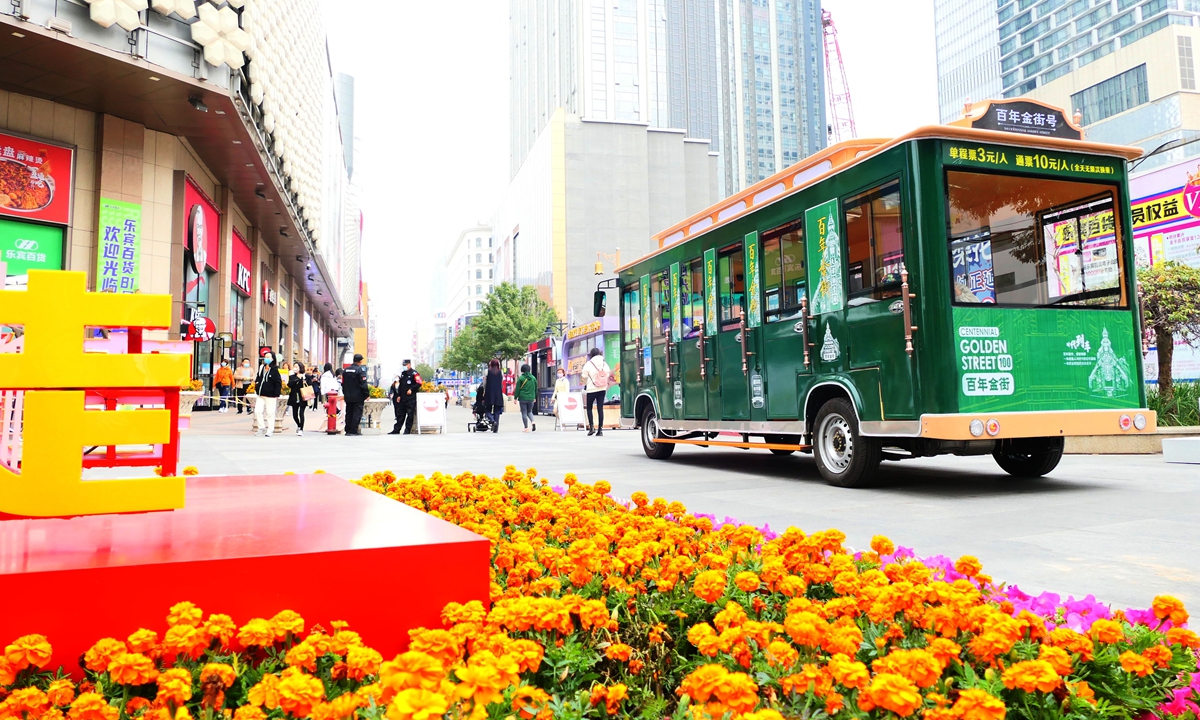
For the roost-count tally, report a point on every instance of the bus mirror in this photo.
(599, 303)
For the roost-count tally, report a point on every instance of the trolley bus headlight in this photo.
(1139, 421)
(976, 427)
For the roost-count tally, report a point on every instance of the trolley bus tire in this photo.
(844, 457)
(650, 433)
(1028, 457)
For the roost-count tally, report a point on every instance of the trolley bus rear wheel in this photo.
(650, 435)
(844, 457)
(1028, 457)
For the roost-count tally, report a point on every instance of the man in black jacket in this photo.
(354, 389)
(405, 401)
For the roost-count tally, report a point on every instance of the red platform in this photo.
(244, 546)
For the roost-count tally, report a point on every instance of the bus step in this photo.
(728, 443)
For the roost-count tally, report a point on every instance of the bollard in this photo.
(331, 413)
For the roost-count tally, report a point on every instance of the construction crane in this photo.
(841, 108)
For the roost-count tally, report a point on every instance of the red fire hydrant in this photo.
(331, 413)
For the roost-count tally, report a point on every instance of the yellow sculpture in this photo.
(55, 371)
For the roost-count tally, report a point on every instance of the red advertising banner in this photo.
(35, 179)
(241, 264)
(203, 227)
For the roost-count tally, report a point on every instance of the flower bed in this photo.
(641, 610)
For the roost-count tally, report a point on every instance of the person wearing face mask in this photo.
(242, 377)
(269, 386)
(562, 386)
(224, 382)
(404, 402)
(297, 385)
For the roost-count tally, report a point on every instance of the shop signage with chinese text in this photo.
(27, 246)
(119, 257)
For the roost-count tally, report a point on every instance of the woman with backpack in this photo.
(595, 376)
(526, 394)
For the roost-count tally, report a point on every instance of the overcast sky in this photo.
(432, 123)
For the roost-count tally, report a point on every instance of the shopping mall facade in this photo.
(186, 148)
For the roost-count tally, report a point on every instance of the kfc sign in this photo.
(241, 264)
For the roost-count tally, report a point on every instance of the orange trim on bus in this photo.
(848, 154)
(727, 443)
(1065, 423)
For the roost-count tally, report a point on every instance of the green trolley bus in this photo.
(965, 289)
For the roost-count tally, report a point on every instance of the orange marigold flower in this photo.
(919, 666)
(1131, 662)
(1184, 637)
(258, 632)
(849, 673)
(29, 701)
(413, 669)
(185, 640)
(287, 621)
(220, 672)
(184, 613)
(299, 692)
(1107, 631)
(132, 669)
(142, 641)
(1083, 691)
(976, 704)
(968, 565)
(1160, 655)
(702, 683)
(418, 704)
(738, 692)
(782, 655)
(529, 701)
(709, 585)
(806, 629)
(891, 692)
(249, 712)
(882, 545)
(362, 661)
(302, 654)
(528, 653)
(61, 692)
(28, 651)
(265, 693)
(174, 686)
(1167, 607)
(617, 693)
(101, 654)
(220, 627)
(618, 651)
(746, 581)
(1058, 658)
(767, 714)
(92, 706)
(191, 470)
(1032, 675)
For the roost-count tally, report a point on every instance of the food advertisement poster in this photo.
(710, 292)
(119, 256)
(1023, 359)
(753, 282)
(27, 246)
(825, 258)
(35, 179)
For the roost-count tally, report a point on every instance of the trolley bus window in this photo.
(633, 316)
(731, 273)
(1029, 242)
(660, 306)
(875, 244)
(783, 266)
(691, 298)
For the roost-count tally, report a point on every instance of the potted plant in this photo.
(189, 394)
(372, 419)
(431, 407)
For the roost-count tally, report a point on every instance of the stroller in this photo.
(482, 422)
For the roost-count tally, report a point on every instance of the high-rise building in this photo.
(968, 54)
(745, 75)
(469, 277)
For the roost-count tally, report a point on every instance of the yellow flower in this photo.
(417, 704)
(976, 704)
(1032, 675)
(28, 651)
(132, 669)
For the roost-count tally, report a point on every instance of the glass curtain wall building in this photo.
(746, 75)
(968, 54)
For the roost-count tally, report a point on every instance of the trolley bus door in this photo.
(787, 361)
(693, 372)
(631, 336)
(733, 364)
(660, 344)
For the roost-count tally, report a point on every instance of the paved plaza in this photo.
(1116, 526)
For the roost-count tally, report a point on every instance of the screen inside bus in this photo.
(1033, 242)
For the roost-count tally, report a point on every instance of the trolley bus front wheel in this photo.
(1028, 457)
(844, 457)
(650, 435)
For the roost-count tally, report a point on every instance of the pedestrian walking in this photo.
(297, 397)
(224, 382)
(354, 388)
(242, 377)
(314, 382)
(596, 376)
(526, 393)
(493, 394)
(562, 386)
(510, 383)
(404, 399)
(268, 386)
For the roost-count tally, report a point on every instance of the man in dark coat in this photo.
(354, 389)
(405, 402)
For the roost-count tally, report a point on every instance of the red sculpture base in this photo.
(244, 546)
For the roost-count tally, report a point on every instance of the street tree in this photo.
(425, 370)
(1170, 297)
(465, 354)
(512, 318)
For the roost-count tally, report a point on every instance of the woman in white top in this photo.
(596, 376)
(562, 386)
(330, 384)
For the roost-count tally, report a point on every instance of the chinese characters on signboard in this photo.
(974, 278)
(753, 282)
(119, 256)
(825, 258)
(999, 157)
(26, 246)
(1026, 118)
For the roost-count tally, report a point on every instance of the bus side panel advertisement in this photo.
(753, 282)
(612, 355)
(1014, 359)
(676, 325)
(824, 250)
(710, 292)
(645, 359)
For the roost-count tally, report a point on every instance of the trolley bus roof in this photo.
(844, 155)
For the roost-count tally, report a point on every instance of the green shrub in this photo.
(1180, 410)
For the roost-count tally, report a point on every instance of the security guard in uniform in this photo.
(406, 405)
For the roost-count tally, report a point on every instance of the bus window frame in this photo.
(734, 322)
(1124, 240)
(785, 313)
(660, 306)
(887, 291)
(629, 339)
(687, 272)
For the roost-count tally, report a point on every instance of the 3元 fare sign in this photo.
(1014, 158)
